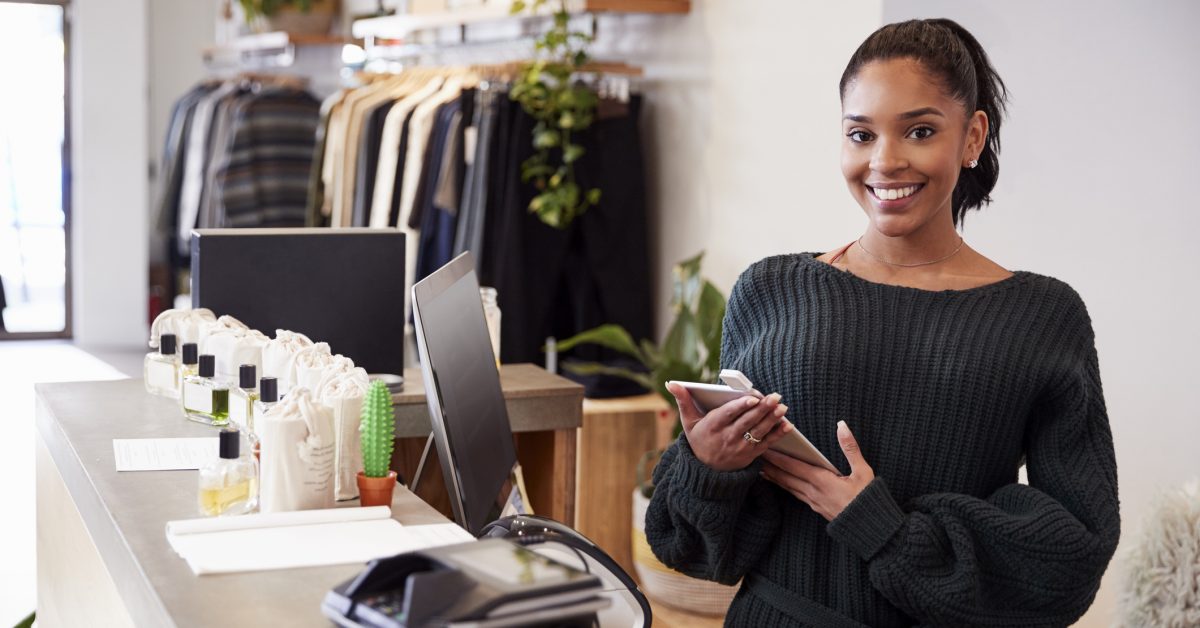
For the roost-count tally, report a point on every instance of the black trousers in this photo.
(558, 282)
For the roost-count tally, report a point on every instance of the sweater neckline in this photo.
(1017, 276)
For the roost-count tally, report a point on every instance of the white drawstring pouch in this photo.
(297, 454)
(278, 354)
(185, 324)
(234, 347)
(308, 364)
(343, 392)
(222, 324)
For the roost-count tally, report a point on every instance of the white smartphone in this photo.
(707, 397)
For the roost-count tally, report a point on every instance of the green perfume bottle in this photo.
(205, 398)
(241, 404)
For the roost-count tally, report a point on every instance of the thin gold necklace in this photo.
(880, 259)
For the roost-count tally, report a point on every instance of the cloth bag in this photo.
(278, 354)
(343, 392)
(234, 347)
(297, 454)
(308, 365)
(185, 324)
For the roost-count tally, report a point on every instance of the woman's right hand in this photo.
(719, 438)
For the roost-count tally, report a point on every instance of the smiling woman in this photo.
(937, 373)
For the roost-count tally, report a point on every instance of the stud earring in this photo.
(972, 163)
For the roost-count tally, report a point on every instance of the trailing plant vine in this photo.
(561, 109)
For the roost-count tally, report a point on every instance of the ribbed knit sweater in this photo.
(948, 393)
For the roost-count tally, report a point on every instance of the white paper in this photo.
(163, 454)
(290, 540)
(239, 409)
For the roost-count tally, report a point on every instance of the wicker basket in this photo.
(668, 586)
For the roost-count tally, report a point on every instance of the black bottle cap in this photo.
(246, 376)
(229, 443)
(268, 389)
(208, 365)
(190, 351)
(166, 344)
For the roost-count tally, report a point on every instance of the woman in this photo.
(951, 371)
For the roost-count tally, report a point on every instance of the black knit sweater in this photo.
(948, 393)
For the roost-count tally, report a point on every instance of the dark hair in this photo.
(953, 55)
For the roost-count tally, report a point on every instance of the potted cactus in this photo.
(377, 431)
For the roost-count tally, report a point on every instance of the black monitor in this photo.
(340, 286)
(462, 384)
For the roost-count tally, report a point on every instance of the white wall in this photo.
(109, 165)
(178, 32)
(742, 129)
(1099, 152)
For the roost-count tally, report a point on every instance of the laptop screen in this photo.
(466, 405)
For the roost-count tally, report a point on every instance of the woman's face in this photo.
(905, 143)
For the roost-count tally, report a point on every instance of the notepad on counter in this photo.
(307, 538)
(163, 454)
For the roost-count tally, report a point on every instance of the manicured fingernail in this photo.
(781, 410)
(751, 402)
(842, 425)
(775, 397)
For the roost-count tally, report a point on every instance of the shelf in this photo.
(399, 26)
(267, 42)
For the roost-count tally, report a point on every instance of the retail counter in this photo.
(103, 556)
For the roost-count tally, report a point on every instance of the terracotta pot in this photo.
(317, 21)
(376, 491)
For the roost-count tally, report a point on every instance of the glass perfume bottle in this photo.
(188, 362)
(161, 368)
(206, 399)
(229, 484)
(242, 398)
(491, 314)
(268, 397)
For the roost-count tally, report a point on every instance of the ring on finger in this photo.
(748, 437)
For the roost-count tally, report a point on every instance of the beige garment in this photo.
(389, 151)
(334, 135)
(418, 136)
(355, 118)
(330, 106)
(338, 126)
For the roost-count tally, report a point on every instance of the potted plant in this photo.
(690, 352)
(307, 17)
(377, 431)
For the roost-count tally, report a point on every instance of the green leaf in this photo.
(682, 342)
(566, 120)
(710, 315)
(592, 368)
(517, 7)
(580, 59)
(653, 355)
(611, 336)
(546, 139)
(673, 370)
(593, 196)
(572, 153)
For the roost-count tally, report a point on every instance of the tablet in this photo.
(707, 397)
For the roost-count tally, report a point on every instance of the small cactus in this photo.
(377, 430)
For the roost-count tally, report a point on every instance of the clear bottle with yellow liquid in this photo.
(229, 484)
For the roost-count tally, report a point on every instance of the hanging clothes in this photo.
(438, 153)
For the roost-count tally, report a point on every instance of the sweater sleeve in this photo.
(1027, 554)
(709, 524)
(712, 524)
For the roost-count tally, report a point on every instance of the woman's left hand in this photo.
(826, 492)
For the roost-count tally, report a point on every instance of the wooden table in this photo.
(545, 411)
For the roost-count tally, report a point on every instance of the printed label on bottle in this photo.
(238, 407)
(197, 398)
(160, 375)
